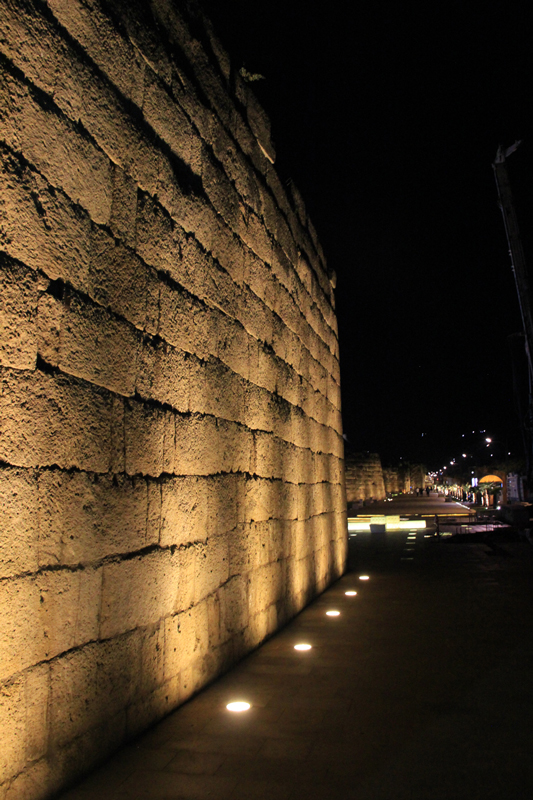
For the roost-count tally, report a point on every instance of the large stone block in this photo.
(165, 374)
(96, 32)
(184, 512)
(46, 614)
(53, 144)
(23, 721)
(263, 366)
(207, 446)
(211, 565)
(150, 443)
(138, 591)
(169, 121)
(232, 346)
(84, 518)
(67, 422)
(158, 239)
(234, 605)
(118, 279)
(225, 510)
(221, 194)
(123, 206)
(20, 647)
(19, 527)
(264, 587)
(98, 347)
(186, 638)
(152, 659)
(89, 686)
(20, 290)
(257, 412)
(50, 321)
(46, 231)
(185, 322)
(69, 605)
(261, 499)
(217, 390)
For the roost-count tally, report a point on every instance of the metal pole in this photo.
(518, 264)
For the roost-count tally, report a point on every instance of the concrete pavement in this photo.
(419, 689)
(410, 504)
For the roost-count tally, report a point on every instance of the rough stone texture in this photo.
(397, 479)
(364, 477)
(367, 480)
(171, 458)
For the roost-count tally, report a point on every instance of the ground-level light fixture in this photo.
(350, 593)
(302, 646)
(239, 705)
(364, 577)
(332, 613)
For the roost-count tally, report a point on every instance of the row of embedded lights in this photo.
(241, 705)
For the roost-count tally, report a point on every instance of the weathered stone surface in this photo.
(51, 143)
(83, 518)
(20, 290)
(19, 531)
(171, 477)
(364, 477)
(68, 423)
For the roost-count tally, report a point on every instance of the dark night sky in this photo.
(387, 117)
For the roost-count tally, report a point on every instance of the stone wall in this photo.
(364, 477)
(404, 478)
(171, 460)
(396, 479)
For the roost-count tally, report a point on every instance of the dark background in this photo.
(388, 117)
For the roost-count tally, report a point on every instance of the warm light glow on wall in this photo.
(238, 706)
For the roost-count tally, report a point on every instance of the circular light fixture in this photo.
(302, 646)
(238, 706)
(332, 613)
(350, 593)
(364, 577)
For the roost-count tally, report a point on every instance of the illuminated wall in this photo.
(171, 471)
(397, 479)
(364, 477)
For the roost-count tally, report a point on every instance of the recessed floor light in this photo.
(332, 613)
(364, 577)
(239, 706)
(302, 646)
(350, 593)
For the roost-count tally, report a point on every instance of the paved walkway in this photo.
(420, 689)
(409, 504)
